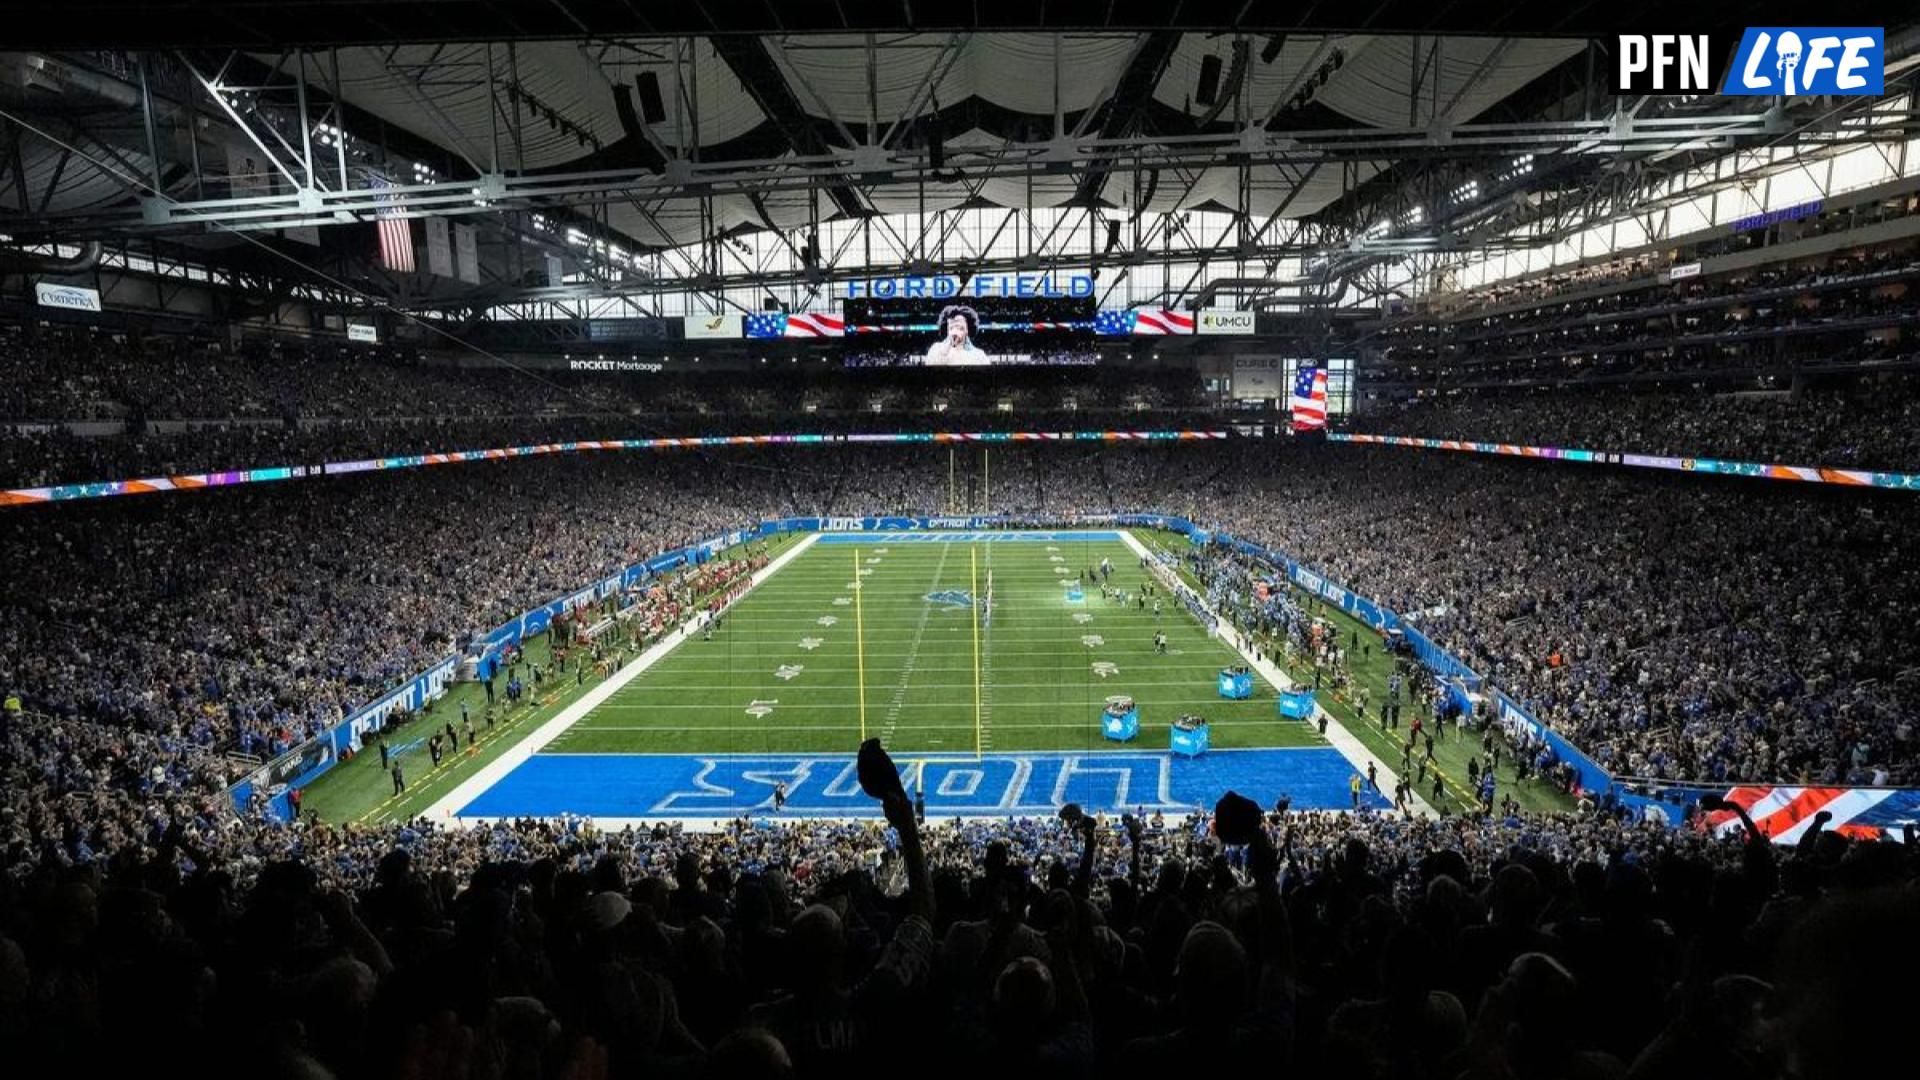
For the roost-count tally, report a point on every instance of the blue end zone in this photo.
(722, 785)
(882, 536)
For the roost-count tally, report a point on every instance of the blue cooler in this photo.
(1120, 721)
(1296, 704)
(1190, 737)
(1236, 683)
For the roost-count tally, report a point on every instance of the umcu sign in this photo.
(1788, 61)
(1225, 321)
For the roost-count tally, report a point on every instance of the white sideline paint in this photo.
(496, 770)
(1337, 734)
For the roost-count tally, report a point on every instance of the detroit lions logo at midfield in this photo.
(954, 598)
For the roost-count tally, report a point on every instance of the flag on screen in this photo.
(1113, 323)
(815, 325)
(1155, 320)
(1310, 399)
(778, 324)
(765, 324)
(396, 233)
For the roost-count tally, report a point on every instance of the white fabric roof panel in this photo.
(1013, 71)
(1373, 86)
(1373, 83)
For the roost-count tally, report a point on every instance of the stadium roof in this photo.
(676, 127)
(153, 24)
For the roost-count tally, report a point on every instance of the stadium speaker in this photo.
(1209, 88)
(1113, 235)
(1271, 50)
(653, 108)
(936, 144)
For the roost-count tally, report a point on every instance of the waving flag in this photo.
(776, 324)
(1113, 323)
(1310, 399)
(808, 324)
(396, 232)
(1155, 320)
(1784, 814)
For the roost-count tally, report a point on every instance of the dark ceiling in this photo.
(277, 23)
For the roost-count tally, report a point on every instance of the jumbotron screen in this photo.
(969, 331)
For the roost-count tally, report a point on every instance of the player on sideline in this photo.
(779, 796)
(1160, 642)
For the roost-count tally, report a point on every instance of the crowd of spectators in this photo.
(1318, 944)
(1868, 424)
(1846, 308)
(58, 375)
(1672, 627)
(1627, 272)
(88, 407)
(1675, 629)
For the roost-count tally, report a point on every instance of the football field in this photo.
(983, 661)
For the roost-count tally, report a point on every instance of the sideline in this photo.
(1350, 748)
(496, 770)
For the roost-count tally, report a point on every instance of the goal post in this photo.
(973, 559)
(859, 643)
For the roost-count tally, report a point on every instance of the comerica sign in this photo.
(71, 297)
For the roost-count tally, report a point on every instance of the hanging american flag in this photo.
(396, 232)
(1310, 399)
(1109, 322)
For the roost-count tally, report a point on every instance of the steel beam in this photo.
(1014, 160)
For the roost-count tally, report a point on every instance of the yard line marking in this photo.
(1090, 724)
(1145, 699)
(892, 714)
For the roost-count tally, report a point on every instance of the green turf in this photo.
(361, 791)
(1040, 687)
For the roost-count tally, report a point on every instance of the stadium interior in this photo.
(1404, 569)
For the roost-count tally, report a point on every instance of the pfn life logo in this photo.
(1788, 61)
(1795, 60)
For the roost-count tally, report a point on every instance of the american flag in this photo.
(396, 233)
(1784, 814)
(1155, 320)
(765, 324)
(775, 324)
(1310, 399)
(1109, 323)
